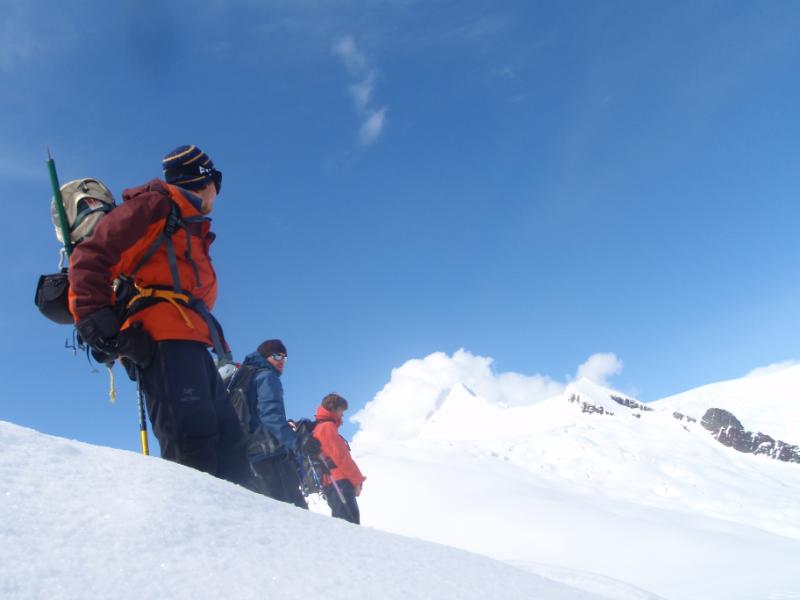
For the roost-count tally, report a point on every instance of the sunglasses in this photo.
(279, 357)
(216, 176)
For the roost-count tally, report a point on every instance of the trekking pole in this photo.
(314, 475)
(142, 418)
(335, 485)
(333, 482)
(62, 214)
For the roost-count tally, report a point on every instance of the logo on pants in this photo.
(188, 395)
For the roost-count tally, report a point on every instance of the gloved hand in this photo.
(103, 358)
(135, 343)
(311, 446)
(99, 330)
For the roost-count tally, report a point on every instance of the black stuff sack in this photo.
(52, 297)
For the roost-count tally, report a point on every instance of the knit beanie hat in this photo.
(190, 168)
(270, 347)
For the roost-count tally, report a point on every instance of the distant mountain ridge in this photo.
(769, 403)
(610, 458)
(706, 403)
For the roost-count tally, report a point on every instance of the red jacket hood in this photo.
(323, 414)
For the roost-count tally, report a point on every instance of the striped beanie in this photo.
(190, 168)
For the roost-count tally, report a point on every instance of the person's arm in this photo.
(124, 232)
(271, 410)
(335, 447)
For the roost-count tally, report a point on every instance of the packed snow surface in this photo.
(80, 521)
(567, 491)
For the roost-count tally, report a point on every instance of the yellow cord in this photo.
(112, 392)
(169, 296)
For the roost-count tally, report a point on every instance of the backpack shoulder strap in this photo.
(172, 223)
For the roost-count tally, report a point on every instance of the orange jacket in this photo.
(335, 448)
(122, 237)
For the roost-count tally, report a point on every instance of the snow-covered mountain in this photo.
(767, 401)
(80, 521)
(592, 479)
(580, 492)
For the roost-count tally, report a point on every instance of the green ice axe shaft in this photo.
(62, 215)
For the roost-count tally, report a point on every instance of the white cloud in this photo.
(353, 59)
(773, 368)
(417, 388)
(600, 367)
(372, 127)
(362, 90)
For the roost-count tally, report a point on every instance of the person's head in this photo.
(192, 169)
(335, 404)
(275, 353)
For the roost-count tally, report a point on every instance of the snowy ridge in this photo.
(81, 521)
(587, 487)
(610, 486)
(769, 402)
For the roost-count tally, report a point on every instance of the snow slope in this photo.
(627, 493)
(768, 402)
(79, 521)
(578, 495)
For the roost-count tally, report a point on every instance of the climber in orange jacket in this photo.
(344, 472)
(156, 317)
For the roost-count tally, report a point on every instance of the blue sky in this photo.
(535, 182)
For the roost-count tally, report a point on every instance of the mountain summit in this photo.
(592, 478)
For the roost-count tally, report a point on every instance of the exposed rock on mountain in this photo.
(627, 402)
(587, 407)
(682, 417)
(729, 431)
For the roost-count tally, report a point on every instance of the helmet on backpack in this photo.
(85, 202)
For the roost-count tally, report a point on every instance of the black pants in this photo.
(191, 416)
(279, 479)
(347, 510)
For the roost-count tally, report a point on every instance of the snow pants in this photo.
(280, 480)
(192, 418)
(347, 510)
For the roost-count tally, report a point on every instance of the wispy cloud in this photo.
(362, 90)
(346, 49)
(371, 128)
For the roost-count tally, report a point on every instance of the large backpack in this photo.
(85, 202)
(312, 468)
(238, 384)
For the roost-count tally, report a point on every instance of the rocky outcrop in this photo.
(627, 402)
(729, 431)
(682, 417)
(587, 407)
